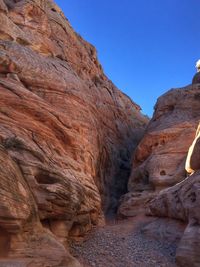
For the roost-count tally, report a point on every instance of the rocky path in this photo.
(123, 244)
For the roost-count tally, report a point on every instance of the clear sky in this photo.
(145, 46)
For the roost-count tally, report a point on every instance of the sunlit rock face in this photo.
(159, 160)
(67, 135)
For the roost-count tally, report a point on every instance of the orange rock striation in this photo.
(66, 136)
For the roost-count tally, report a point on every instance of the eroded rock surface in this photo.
(66, 135)
(159, 160)
(182, 202)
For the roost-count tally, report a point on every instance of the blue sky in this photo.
(146, 47)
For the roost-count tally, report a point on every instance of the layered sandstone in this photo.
(66, 135)
(166, 174)
(159, 160)
(182, 202)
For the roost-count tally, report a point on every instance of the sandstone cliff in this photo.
(159, 160)
(182, 202)
(66, 135)
(166, 173)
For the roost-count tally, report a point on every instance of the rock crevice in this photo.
(66, 132)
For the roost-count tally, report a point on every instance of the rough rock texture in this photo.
(164, 229)
(159, 160)
(66, 135)
(182, 202)
(22, 237)
(133, 203)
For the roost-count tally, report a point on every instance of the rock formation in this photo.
(182, 202)
(66, 136)
(166, 176)
(159, 160)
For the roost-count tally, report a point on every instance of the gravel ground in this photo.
(123, 245)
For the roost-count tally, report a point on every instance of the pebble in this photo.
(108, 247)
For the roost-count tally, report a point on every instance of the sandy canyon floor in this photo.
(123, 244)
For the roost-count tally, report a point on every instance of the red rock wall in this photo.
(181, 202)
(159, 160)
(66, 134)
(165, 176)
(163, 150)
